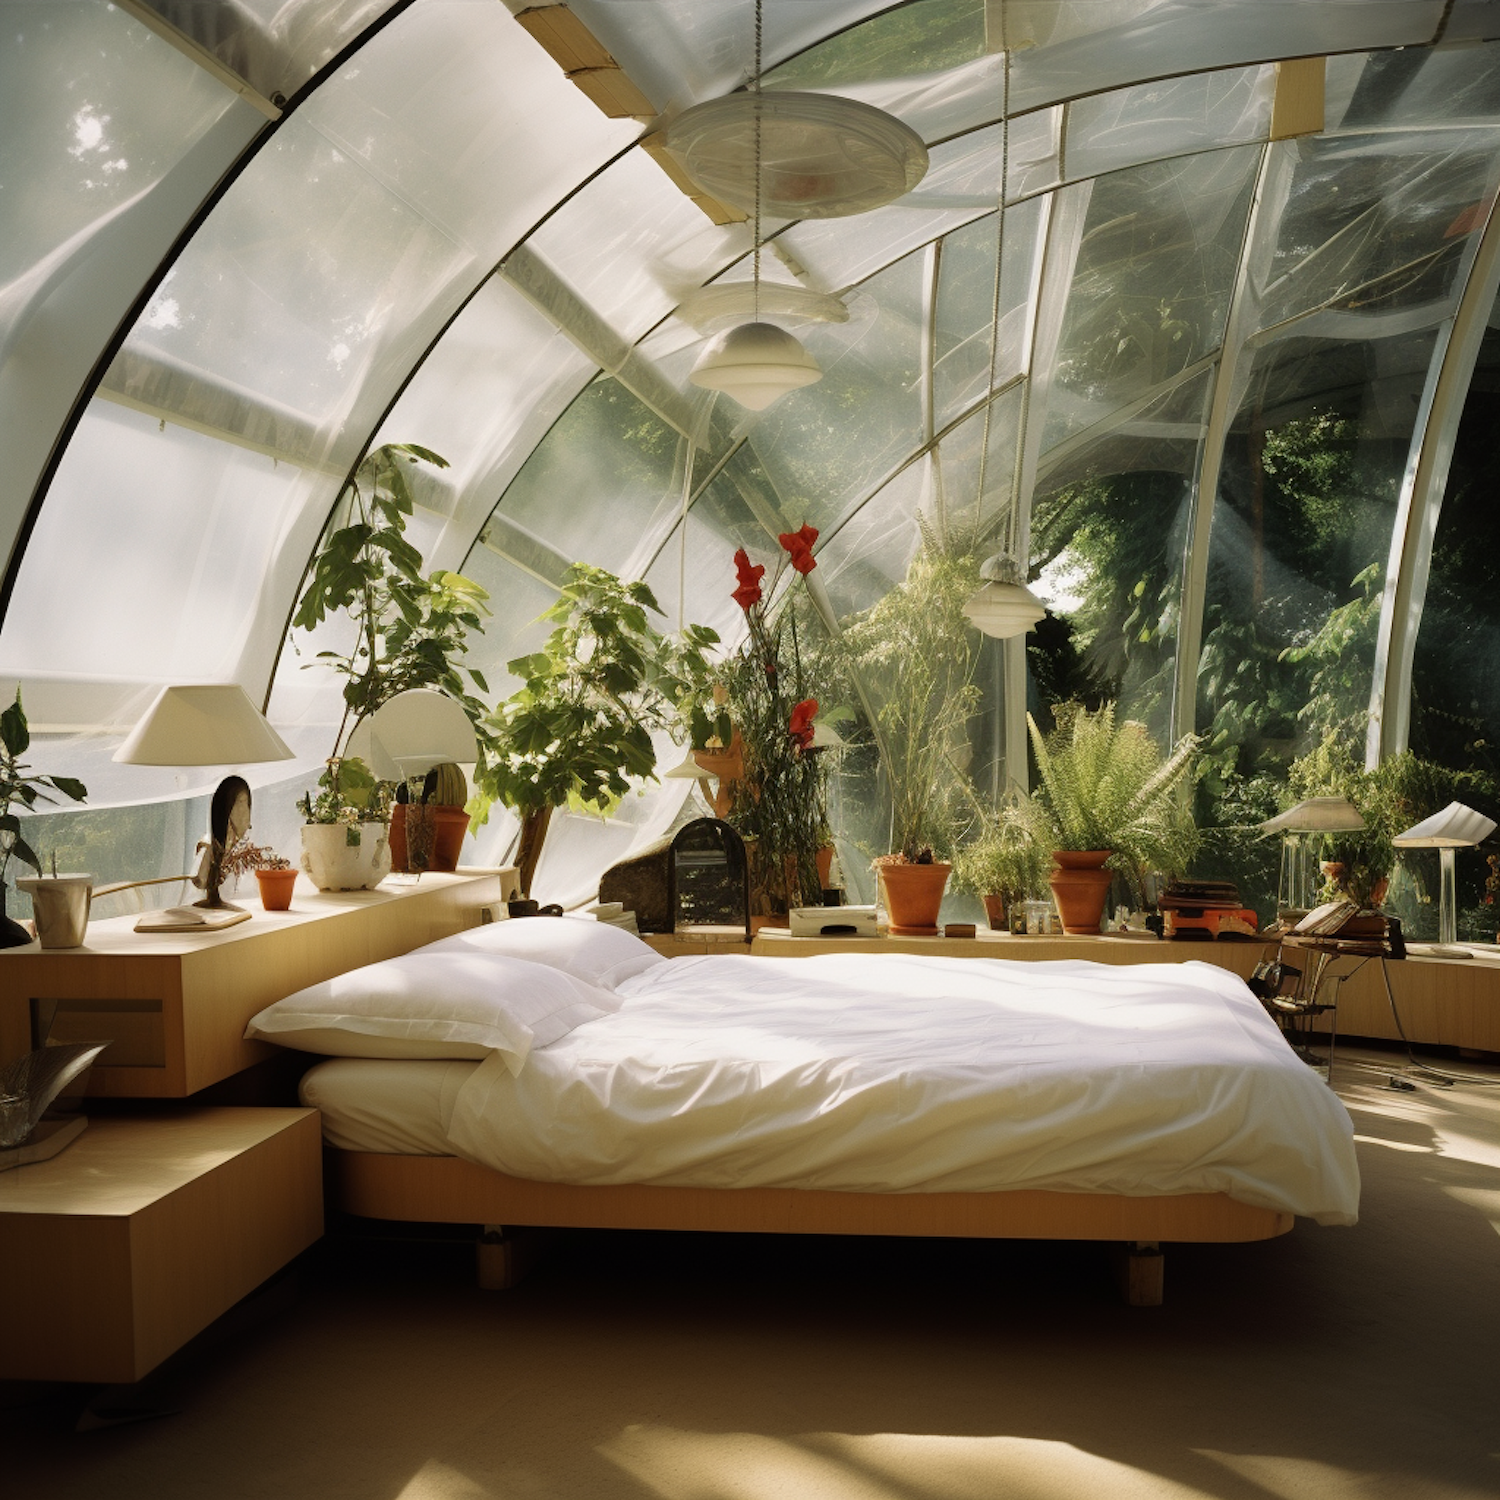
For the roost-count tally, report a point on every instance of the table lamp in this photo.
(208, 724)
(1298, 825)
(1456, 827)
(413, 732)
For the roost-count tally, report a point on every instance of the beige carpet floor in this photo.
(1333, 1363)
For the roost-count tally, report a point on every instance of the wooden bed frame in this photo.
(448, 1190)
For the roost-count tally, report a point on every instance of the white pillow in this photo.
(592, 951)
(435, 1005)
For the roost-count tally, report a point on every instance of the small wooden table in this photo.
(146, 1229)
(174, 1005)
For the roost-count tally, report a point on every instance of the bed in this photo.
(854, 1094)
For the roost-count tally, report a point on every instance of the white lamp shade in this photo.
(414, 732)
(1004, 610)
(1456, 827)
(755, 363)
(689, 770)
(1316, 815)
(825, 737)
(212, 724)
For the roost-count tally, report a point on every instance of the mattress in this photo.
(397, 1108)
(889, 1073)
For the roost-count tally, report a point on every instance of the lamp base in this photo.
(214, 902)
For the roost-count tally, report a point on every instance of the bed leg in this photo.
(1140, 1265)
(502, 1256)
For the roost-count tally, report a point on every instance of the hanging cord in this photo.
(755, 88)
(995, 304)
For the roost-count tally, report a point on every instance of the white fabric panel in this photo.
(109, 140)
(121, 575)
(894, 1073)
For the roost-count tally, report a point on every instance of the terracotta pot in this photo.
(276, 889)
(446, 840)
(1381, 891)
(825, 866)
(1080, 885)
(994, 911)
(913, 897)
(756, 923)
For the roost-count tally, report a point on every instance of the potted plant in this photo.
(274, 875)
(917, 653)
(22, 788)
(580, 725)
(1005, 864)
(766, 742)
(1108, 801)
(408, 631)
(429, 820)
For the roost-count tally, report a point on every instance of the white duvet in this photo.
(888, 1073)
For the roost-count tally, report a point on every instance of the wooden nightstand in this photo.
(174, 1005)
(145, 1230)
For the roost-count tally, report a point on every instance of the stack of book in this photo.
(1199, 909)
(1342, 927)
(615, 914)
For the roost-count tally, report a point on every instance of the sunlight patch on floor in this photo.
(1307, 1479)
(679, 1465)
(436, 1480)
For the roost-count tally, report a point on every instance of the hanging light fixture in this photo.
(756, 363)
(1003, 607)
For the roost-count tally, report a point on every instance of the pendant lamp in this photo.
(1003, 607)
(756, 363)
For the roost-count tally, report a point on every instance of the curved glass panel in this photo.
(109, 141)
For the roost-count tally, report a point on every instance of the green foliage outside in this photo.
(21, 789)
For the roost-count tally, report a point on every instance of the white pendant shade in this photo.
(212, 724)
(822, 156)
(711, 309)
(1004, 610)
(755, 363)
(1317, 815)
(1456, 827)
(825, 737)
(412, 733)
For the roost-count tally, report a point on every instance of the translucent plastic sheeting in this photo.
(1414, 87)
(1323, 431)
(825, 450)
(974, 473)
(962, 366)
(632, 246)
(1175, 117)
(1375, 223)
(902, 60)
(122, 580)
(321, 277)
(109, 140)
(605, 484)
(684, 51)
(274, 45)
(869, 554)
(1158, 259)
(484, 398)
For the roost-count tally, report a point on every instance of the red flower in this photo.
(801, 728)
(748, 578)
(799, 545)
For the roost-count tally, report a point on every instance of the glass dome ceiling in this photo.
(245, 241)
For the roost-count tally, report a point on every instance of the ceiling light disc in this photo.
(822, 156)
(756, 363)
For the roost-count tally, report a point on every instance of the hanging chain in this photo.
(755, 88)
(995, 307)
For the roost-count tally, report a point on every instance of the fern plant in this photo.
(1105, 784)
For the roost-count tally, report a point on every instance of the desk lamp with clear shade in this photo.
(1299, 827)
(1455, 827)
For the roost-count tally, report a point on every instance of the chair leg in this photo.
(1140, 1269)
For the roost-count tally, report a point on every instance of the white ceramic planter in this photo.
(346, 856)
(60, 904)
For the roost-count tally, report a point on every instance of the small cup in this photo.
(60, 904)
